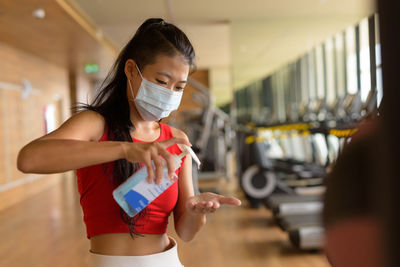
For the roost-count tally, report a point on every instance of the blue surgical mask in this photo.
(153, 101)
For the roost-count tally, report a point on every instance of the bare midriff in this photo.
(122, 244)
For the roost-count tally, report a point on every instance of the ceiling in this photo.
(249, 39)
(57, 38)
(237, 41)
(106, 12)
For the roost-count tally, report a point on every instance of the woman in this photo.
(110, 139)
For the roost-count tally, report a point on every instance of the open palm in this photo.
(209, 202)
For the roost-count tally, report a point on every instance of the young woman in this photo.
(117, 134)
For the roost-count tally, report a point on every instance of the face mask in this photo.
(153, 101)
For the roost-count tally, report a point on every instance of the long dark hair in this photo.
(154, 37)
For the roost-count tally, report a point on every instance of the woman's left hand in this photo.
(209, 202)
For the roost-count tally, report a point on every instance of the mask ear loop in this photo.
(129, 81)
(139, 71)
(130, 86)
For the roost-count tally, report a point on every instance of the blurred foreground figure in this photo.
(351, 215)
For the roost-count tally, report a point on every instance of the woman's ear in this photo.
(130, 69)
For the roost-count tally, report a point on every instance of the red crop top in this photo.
(102, 214)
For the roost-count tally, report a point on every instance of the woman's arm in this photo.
(60, 155)
(75, 145)
(187, 224)
(190, 211)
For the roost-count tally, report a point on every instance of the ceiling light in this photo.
(39, 13)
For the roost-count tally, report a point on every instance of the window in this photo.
(267, 99)
(298, 82)
(256, 103)
(351, 60)
(320, 71)
(330, 71)
(304, 79)
(340, 58)
(365, 66)
(239, 102)
(311, 76)
(248, 102)
(379, 82)
(278, 91)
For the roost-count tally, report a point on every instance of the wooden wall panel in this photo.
(44, 52)
(12, 126)
(31, 121)
(2, 137)
(48, 78)
(2, 161)
(21, 120)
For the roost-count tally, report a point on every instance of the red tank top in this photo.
(102, 214)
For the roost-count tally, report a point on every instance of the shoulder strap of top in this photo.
(166, 132)
(105, 134)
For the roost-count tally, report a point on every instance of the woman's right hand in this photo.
(148, 152)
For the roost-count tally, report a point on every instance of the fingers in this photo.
(210, 202)
(149, 152)
(149, 167)
(169, 160)
(229, 201)
(204, 206)
(158, 165)
(175, 140)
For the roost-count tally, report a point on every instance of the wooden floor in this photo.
(47, 230)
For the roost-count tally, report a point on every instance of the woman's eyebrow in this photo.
(169, 76)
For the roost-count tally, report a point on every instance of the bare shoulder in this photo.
(90, 115)
(178, 133)
(86, 125)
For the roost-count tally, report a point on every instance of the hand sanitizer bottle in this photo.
(136, 192)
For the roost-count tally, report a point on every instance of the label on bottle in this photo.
(144, 193)
(136, 192)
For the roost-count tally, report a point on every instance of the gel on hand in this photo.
(136, 192)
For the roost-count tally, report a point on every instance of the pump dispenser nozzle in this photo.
(194, 157)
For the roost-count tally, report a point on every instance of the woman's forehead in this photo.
(175, 66)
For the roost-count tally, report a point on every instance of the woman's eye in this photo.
(161, 82)
(179, 88)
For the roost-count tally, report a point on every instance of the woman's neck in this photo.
(141, 126)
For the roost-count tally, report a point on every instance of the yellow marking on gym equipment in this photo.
(287, 127)
(283, 136)
(305, 133)
(251, 139)
(260, 139)
(342, 133)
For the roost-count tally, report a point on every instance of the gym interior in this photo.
(291, 109)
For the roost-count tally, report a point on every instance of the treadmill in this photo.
(305, 230)
(308, 237)
(284, 205)
(291, 222)
(301, 217)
